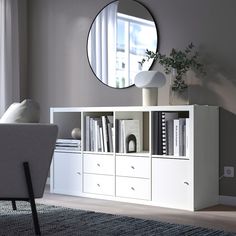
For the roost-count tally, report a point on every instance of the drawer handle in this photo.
(99, 185)
(187, 183)
(133, 188)
(98, 165)
(78, 173)
(132, 167)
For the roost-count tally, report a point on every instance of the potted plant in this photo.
(178, 62)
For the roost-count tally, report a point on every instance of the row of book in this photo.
(99, 134)
(127, 135)
(170, 134)
(68, 144)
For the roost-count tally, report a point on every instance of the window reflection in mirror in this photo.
(118, 39)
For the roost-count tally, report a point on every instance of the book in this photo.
(110, 138)
(109, 129)
(121, 136)
(182, 124)
(87, 133)
(91, 134)
(117, 141)
(187, 135)
(105, 134)
(102, 139)
(176, 137)
(156, 134)
(170, 136)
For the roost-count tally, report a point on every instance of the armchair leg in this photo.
(13, 202)
(31, 198)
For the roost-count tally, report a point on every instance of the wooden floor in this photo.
(218, 217)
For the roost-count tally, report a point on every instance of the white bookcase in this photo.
(187, 182)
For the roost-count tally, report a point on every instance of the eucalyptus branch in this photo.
(182, 61)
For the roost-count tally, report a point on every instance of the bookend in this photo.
(131, 143)
(31, 198)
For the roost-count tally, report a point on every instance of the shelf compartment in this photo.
(98, 132)
(128, 124)
(66, 122)
(170, 133)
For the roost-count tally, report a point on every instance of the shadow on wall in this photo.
(217, 87)
(227, 150)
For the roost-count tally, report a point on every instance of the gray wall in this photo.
(59, 73)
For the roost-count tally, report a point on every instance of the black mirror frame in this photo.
(157, 46)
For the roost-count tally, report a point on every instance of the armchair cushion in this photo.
(27, 111)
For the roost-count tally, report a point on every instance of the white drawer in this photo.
(99, 184)
(133, 188)
(133, 166)
(99, 164)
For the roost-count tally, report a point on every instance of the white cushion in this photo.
(27, 111)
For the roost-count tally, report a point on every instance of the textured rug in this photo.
(63, 221)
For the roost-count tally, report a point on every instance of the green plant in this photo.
(181, 61)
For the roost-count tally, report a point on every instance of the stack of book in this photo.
(170, 134)
(68, 144)
(99, 134)
(125, 128)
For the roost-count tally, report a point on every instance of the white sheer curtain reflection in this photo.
(102, 38)
(9, 54)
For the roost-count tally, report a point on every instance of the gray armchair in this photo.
(25, 155)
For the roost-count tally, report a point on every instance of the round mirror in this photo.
(117, 41)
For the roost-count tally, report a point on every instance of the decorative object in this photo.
(56, 220)
(113, 49)
(131, 144)
(177, 64)
(76, 133)
(150, 81)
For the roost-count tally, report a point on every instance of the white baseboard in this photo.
(227, 200)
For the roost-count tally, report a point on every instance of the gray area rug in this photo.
(63, 221)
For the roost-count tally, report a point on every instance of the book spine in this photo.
(121, 136)
(102, 139)
(117, 140)
(182, 123)
(170, 137)
(187, 135)
(176, 137)
(155, 133)
(95, 122)
(91, 134)
(87, 133)
(163, 134)
(159, 133)
(104, 128)
(109, 127)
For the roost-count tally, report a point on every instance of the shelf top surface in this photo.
(129, 108)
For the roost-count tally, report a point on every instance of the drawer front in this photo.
(67, 173)
(133, 166)
(99, 164)
(99, 184)
(133, 188)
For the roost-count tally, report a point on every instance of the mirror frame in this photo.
(157, 46)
